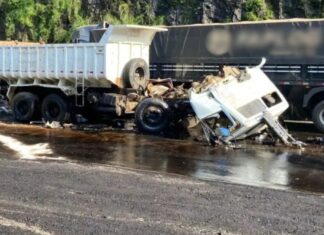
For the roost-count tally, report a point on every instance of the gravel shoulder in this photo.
(67, 198)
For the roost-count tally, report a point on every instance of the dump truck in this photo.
(294, 50)
(53, 82)
(105, 71)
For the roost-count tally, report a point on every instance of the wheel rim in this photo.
(54, 110)
(139, 81)
(139, 74)
(321, 116)
(153, 116)
(23, 107)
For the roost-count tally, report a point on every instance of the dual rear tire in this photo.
(56, 108)
(27, 107)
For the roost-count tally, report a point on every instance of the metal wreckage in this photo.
(231, 106)
(110, 77)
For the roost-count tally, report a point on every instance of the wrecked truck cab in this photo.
(248, 99)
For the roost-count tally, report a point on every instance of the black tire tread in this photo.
(316, 116)
(129, 71)
(33, 109)
(65, 115)
(140, 123)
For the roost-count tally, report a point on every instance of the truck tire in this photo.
(136, 74)
(152, 116)
(318, 116)
(56, 108)
(25, 106)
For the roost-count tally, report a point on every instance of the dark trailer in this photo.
(294, 50)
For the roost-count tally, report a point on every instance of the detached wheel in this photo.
(56, 108)
(152, 116)
(25, 106)
(318, 116)
(136, 74)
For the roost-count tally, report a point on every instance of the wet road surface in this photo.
(254, 165)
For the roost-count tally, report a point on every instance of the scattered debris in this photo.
(91, 128)
(37, 123)
(211, 80)
(4, 106)
(4, 110)
(53, 125)
(315, 140)
(163, 88)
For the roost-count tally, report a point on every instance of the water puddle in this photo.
(267, 167)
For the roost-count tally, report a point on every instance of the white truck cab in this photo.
(249, 100)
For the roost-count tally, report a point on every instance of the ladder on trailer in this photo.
(79, 92)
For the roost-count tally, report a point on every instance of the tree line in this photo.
(55, 20)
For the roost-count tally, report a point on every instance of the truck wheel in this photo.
(25, 106)
(152, 116)
(55, 108)
(318, 116)
(136, 74)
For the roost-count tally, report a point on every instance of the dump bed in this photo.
(99, 64)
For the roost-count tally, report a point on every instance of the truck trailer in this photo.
(294, 50)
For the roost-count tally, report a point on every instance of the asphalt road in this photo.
(54, 197)
(50, 184)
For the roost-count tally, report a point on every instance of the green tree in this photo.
(19, 18)
(254, 10)
(119, 12)
(184, 11)
(125, 16)
(50, 21)
(56, 20)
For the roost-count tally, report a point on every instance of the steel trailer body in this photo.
(294, 50)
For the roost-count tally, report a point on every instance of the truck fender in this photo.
(310, 95)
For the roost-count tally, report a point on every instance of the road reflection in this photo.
(272, 168)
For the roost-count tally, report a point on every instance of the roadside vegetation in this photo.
(54, 20)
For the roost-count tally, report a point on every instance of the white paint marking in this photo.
(22, 226)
